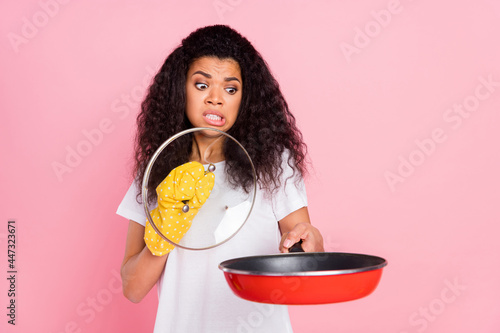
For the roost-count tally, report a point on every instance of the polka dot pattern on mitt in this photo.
(187, 184)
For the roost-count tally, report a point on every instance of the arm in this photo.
(140, 269)
(146, 252)
(296, 226)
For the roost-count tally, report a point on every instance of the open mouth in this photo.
(214, 118)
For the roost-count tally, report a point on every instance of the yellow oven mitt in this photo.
(180, 195)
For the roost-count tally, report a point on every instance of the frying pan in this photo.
(303, 278)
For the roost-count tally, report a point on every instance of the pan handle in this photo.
(297, 247)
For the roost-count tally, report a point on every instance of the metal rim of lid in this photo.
(147, 172)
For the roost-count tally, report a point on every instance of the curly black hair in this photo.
(264, 126)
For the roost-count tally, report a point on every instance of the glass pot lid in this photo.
(212, 207)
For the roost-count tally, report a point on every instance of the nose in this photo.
(214, 97)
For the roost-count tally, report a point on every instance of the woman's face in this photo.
(213, 93)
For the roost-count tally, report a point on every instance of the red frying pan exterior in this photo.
(303, 278)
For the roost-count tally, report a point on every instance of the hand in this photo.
(312, 241)
(187, 184)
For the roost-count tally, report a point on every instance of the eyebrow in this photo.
(231, 78)
(208, 76)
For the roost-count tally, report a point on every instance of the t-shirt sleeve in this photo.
(130, 209)
(291, 195)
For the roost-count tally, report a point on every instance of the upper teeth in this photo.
(213, 117)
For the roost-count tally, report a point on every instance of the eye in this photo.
(231, 90)
(201, 86)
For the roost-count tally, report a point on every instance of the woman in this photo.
(216, 79)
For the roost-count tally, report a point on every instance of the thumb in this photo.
(203, 188)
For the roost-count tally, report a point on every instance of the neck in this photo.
(207, 149)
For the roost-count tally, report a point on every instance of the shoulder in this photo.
(290, 193)
(130, 207)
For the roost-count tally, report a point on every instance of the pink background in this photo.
(375, 86)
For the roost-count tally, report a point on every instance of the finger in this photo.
(185, 179)
(180, 182)
(195, 169)
(313, 242)
(295, 235)
(282, 248)
(203, 189)
(308, 244)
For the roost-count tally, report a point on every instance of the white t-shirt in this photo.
(193, 293)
